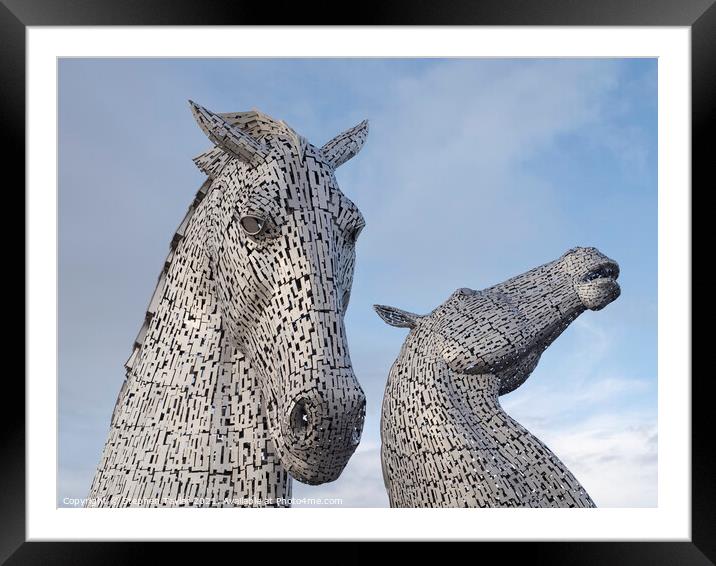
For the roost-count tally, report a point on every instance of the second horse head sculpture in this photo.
(446, 441)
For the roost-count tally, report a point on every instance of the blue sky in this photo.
(475, 170)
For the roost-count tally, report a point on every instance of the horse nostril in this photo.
(298, 420)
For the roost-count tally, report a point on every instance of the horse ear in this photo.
(346, 145)
(232, 140)
(397, 317)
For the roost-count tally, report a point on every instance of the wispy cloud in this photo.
(600, 422)
(452, 183)
(614, 457)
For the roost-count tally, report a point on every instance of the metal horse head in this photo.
(503, 330)
(446, 441)
(281, 237)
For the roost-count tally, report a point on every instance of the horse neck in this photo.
(183, 331)
(193, 395)
(463, 412)
(421, 378)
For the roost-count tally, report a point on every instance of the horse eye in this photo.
(252, 225)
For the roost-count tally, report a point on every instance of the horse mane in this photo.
(211, 162)
(161, 281)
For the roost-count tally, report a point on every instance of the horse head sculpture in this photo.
(446, 439)
(241, 373)
(282, 236)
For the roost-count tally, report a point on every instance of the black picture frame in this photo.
(699, 15)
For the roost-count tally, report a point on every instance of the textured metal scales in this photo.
(446, 441)
(240, 378)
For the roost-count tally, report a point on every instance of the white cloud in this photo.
(360, 484)
(615, 458)
(545, 403)
(451, 194)
(595, 418)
